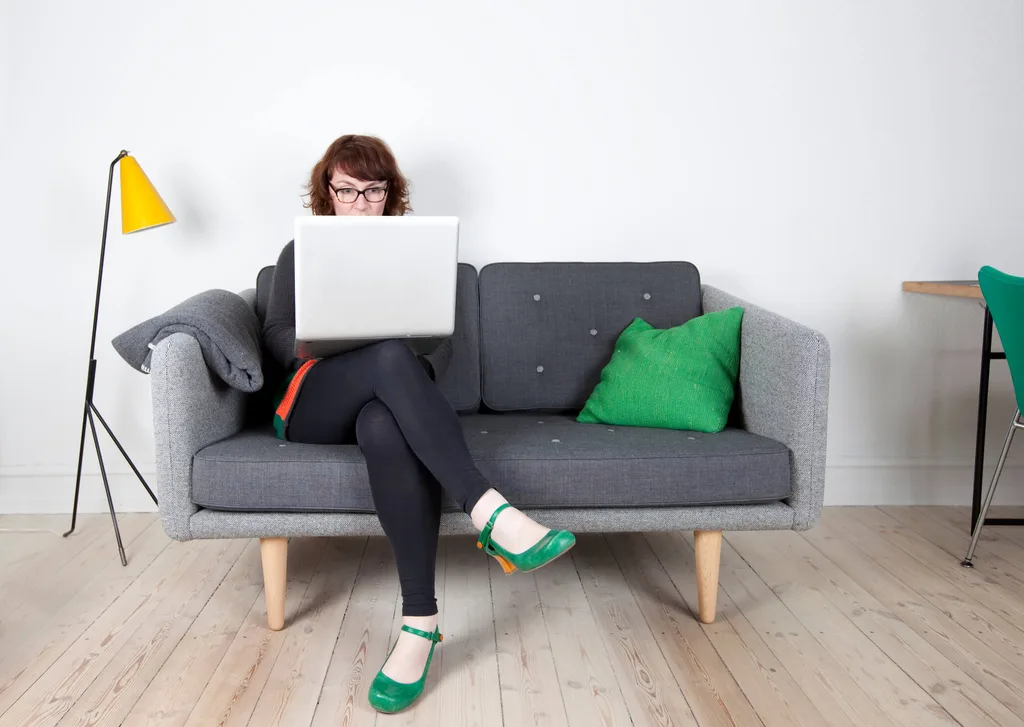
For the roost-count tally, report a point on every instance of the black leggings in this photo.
(382, 398)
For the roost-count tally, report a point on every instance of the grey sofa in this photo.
(528, 348)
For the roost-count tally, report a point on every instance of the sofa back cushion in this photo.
(547, 329)
(461, 383)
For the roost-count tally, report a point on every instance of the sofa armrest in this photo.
(783, 394)
(192, 408)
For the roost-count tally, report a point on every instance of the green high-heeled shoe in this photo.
(552, 545)
(387, 695)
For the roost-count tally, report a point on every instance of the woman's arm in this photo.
(279, 325)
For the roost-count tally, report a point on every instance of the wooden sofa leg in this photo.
(708, 547)
(274, 552)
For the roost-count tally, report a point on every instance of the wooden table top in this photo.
(954, 288)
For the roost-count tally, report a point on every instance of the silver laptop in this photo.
(359, 280)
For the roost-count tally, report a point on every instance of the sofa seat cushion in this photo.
(535, 460)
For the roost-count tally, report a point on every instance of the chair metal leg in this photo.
(1014, 426)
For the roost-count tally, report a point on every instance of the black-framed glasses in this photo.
(348, 195)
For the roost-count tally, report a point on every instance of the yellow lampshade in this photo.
(141, 205)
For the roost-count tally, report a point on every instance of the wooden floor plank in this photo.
(471, 694)
(886, 684)
(941, 527)
(586, 676)
(710, 690)
(885, 544)
(33, 544)
(652, 694)
(997, 595)
(802, 655)
(771, 689)
(362, 643)
(29, 610)
(28, 654)
(296, 679)
(1002, 679)
(865, 619)
(1009, 532)
(530, 692)
(962, 517)
(57, 690)
(231, 695)
(173, 692)
(954, 689)
(1001, 578)
(896, 667)
(120, 684)
(1005, 542)
(72, 563)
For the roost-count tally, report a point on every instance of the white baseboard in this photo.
(49, 490)
(849, 481)
(891, 481)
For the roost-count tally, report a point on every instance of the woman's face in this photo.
(347, 200)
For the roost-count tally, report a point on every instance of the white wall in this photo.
(6, 56)
(808, 156)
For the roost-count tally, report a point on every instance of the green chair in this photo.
(1004, 296)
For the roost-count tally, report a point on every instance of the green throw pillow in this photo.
(675, 378)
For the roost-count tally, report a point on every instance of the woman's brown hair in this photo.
(362, 157)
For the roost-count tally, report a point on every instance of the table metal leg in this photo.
(979, 444)
(987, 355)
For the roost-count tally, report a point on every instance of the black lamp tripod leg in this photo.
(78, 476)
(123, 453)
(106, 487)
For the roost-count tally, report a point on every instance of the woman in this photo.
(383, 397)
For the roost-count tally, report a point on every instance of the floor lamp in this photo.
(141, 209)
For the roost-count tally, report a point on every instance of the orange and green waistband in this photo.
(286, 403)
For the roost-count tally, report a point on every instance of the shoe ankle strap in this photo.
(485, 535)
(436, 636)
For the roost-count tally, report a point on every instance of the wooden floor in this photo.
(866, 620)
